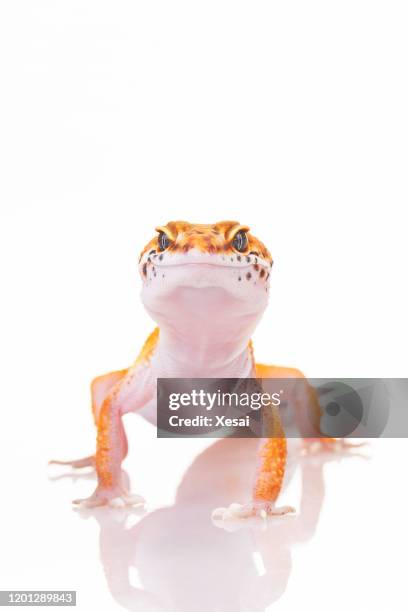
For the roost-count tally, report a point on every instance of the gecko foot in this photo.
(77, 463)
(116, 497)
(259, 509)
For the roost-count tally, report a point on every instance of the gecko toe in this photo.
(110, 497)
(77, 463)
(251, 510)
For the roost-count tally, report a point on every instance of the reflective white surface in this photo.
(346, 544)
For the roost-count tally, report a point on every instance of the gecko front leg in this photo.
(128, 395)
(271, 464)
(100, 388)
(268, 483)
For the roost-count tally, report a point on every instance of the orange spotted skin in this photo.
(105, 474)
(271, 469)
(111, 439)
(273, 450)
(214, 239)
(148, 347)
(100, 387)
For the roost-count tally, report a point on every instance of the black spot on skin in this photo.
(248, 259)
(253, 253)
(163, 275)
(232, 259)
(239, 257)
(248, 276)
(239, 278)
(262, 273)
(152, 251)
(267, 276)
(256, 260)
(144, 269)
(256, 267)
(161, 256)
(149, 260)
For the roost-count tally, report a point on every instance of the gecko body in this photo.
(206, 287)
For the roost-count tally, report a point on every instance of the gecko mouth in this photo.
(228, 262)
(204, 274)
(166, 270)
(201, 264)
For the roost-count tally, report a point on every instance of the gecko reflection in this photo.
(184, 563)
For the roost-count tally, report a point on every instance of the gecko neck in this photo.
(202, 355)
(204, 333)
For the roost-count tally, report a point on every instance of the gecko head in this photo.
(187, 267)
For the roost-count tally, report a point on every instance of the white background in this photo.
(119, 116)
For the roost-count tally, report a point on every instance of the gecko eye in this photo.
(240, 242)
(164, 241)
